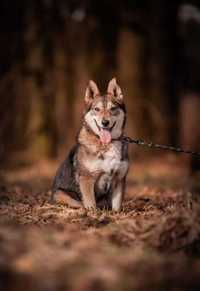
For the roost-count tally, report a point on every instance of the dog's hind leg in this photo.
(62, 197)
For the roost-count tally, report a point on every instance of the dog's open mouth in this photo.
(105, 133)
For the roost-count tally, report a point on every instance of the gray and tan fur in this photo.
(93, 175)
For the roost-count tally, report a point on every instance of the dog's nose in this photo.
(105, 122)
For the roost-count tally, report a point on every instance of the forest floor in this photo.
(152, 244)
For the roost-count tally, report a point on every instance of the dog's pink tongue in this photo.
(105, 136)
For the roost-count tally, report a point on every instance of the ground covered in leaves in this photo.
(153, 244)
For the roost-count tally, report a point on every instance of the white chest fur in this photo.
(110, 162)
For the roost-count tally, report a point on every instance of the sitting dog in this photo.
(94, 173)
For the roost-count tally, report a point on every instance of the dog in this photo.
(94, 173)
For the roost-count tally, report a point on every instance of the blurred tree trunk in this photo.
(105, 37)
(12, 51)
(190, 130)
(165, 60)
(190, 86)
(128, 62)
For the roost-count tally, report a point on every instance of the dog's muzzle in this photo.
(105, 127)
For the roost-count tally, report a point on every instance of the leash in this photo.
(141, 142)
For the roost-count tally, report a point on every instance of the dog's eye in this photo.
(97, 109)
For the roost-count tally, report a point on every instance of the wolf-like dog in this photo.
(94, 173)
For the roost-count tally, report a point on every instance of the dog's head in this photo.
(105, 114)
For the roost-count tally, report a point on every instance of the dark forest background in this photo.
(49, 49)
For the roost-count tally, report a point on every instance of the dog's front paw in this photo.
(116, 209)
(90, 207)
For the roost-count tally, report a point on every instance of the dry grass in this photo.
(153, 244)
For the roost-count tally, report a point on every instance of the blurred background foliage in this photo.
(51, 48)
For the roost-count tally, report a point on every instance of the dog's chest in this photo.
(108, 161)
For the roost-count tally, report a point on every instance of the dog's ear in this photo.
(91, 91)
(115, 90)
